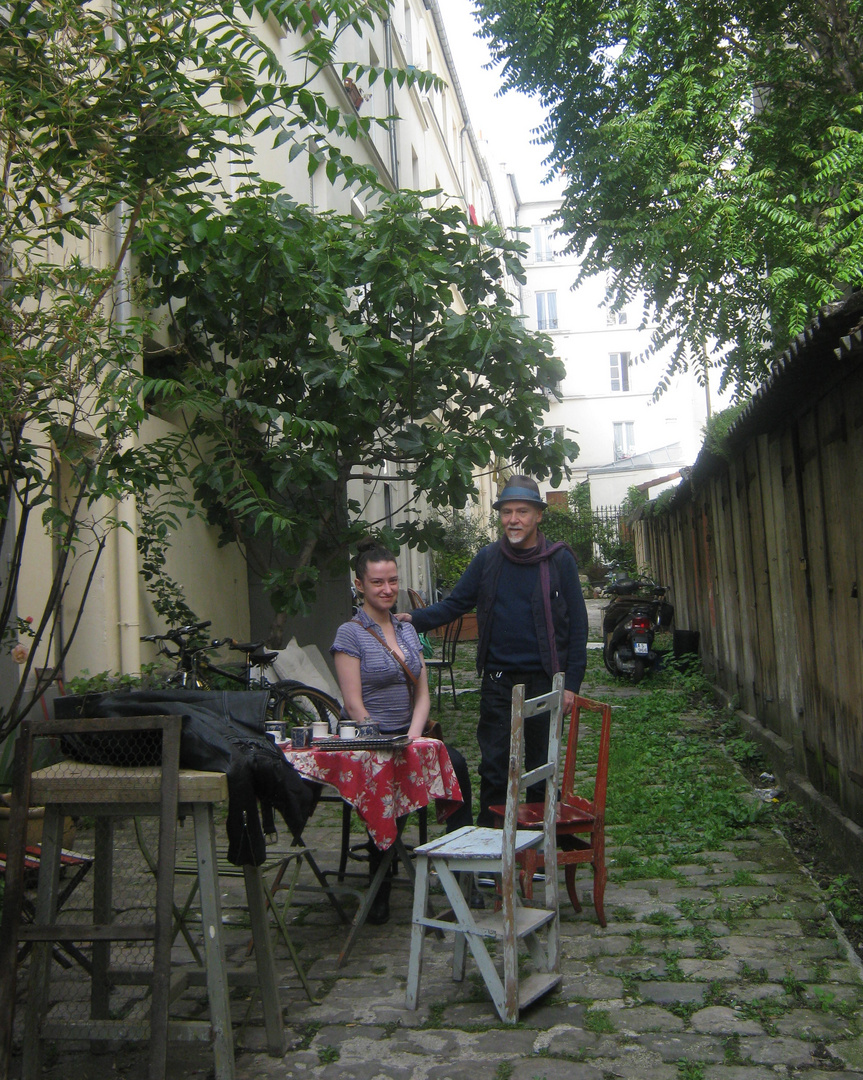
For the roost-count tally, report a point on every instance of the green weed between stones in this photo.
(599, 1022)
(731, 1051)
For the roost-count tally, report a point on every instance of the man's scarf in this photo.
(539, 554)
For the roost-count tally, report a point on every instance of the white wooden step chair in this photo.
(457, 856)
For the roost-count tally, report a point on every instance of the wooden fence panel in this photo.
(764, 654)
(820, 694)
(747, 624)
(764, 553)
(842, 517)
(801, 593)
(721, 616)
(788, 689)
(730, 670)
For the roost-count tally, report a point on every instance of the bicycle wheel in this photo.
(304, 704)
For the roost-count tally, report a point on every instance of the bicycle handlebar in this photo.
(180, 632)
(191, 628)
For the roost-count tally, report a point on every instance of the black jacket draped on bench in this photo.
(223, 731)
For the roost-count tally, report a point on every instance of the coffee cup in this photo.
(276, 729)
(348, 730)
(320, 729)
(301, 737)
(368, 729)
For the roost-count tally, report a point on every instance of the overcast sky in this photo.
(505, 122)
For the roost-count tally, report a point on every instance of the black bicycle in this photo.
(293, 702)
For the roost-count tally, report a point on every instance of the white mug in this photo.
(320, 729)
(348, 731)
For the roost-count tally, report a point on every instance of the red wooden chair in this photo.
(579, 822)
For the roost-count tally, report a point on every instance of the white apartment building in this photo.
(627, 436)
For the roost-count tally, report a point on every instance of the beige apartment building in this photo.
(431, 145)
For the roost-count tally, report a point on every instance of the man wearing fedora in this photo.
(532, 622)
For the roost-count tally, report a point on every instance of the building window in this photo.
(616, 318)
(552, 435)
(546, 310)
(542, 251)
(624, 440)
(619, 364)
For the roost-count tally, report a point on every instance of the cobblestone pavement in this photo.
(728, 969)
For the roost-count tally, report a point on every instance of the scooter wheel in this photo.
(609, 662)
(638, 671)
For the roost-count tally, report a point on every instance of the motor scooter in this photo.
(629, 625)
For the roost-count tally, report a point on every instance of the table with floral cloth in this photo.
(385, 784)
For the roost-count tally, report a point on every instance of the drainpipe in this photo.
(128, 615)
(463, 163)
(516, 198)
(437, 19)
(391, 104)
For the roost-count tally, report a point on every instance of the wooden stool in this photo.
(108, 793)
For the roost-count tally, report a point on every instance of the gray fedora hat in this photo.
(519, 489)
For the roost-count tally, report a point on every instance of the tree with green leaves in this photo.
(313, 348)
(712, 155)
(310, 347)
(112, 116)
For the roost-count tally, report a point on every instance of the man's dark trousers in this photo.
(493, 734)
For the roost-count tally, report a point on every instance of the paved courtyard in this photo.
(729, 970)
(726, 966)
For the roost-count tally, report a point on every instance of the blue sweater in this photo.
(510, 639)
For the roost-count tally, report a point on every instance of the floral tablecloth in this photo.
(384, 785)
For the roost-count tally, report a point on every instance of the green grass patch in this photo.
(690, 1070)
(599, 1022)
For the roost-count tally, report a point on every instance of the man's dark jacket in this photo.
(476, 588)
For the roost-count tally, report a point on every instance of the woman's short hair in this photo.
(370, 550)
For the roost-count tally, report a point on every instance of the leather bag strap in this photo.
(412, 679)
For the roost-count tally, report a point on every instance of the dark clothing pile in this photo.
(223, 731)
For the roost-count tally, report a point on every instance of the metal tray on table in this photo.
(376, 742)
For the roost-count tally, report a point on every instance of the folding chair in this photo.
(446, 659)
(189, 868)
(75, 865)
(459, 855)
(579, 822)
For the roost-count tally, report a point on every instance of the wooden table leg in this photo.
(214, 947)
(273, 1020)
(366, 905)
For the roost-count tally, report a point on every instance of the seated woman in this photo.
(382, 676)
